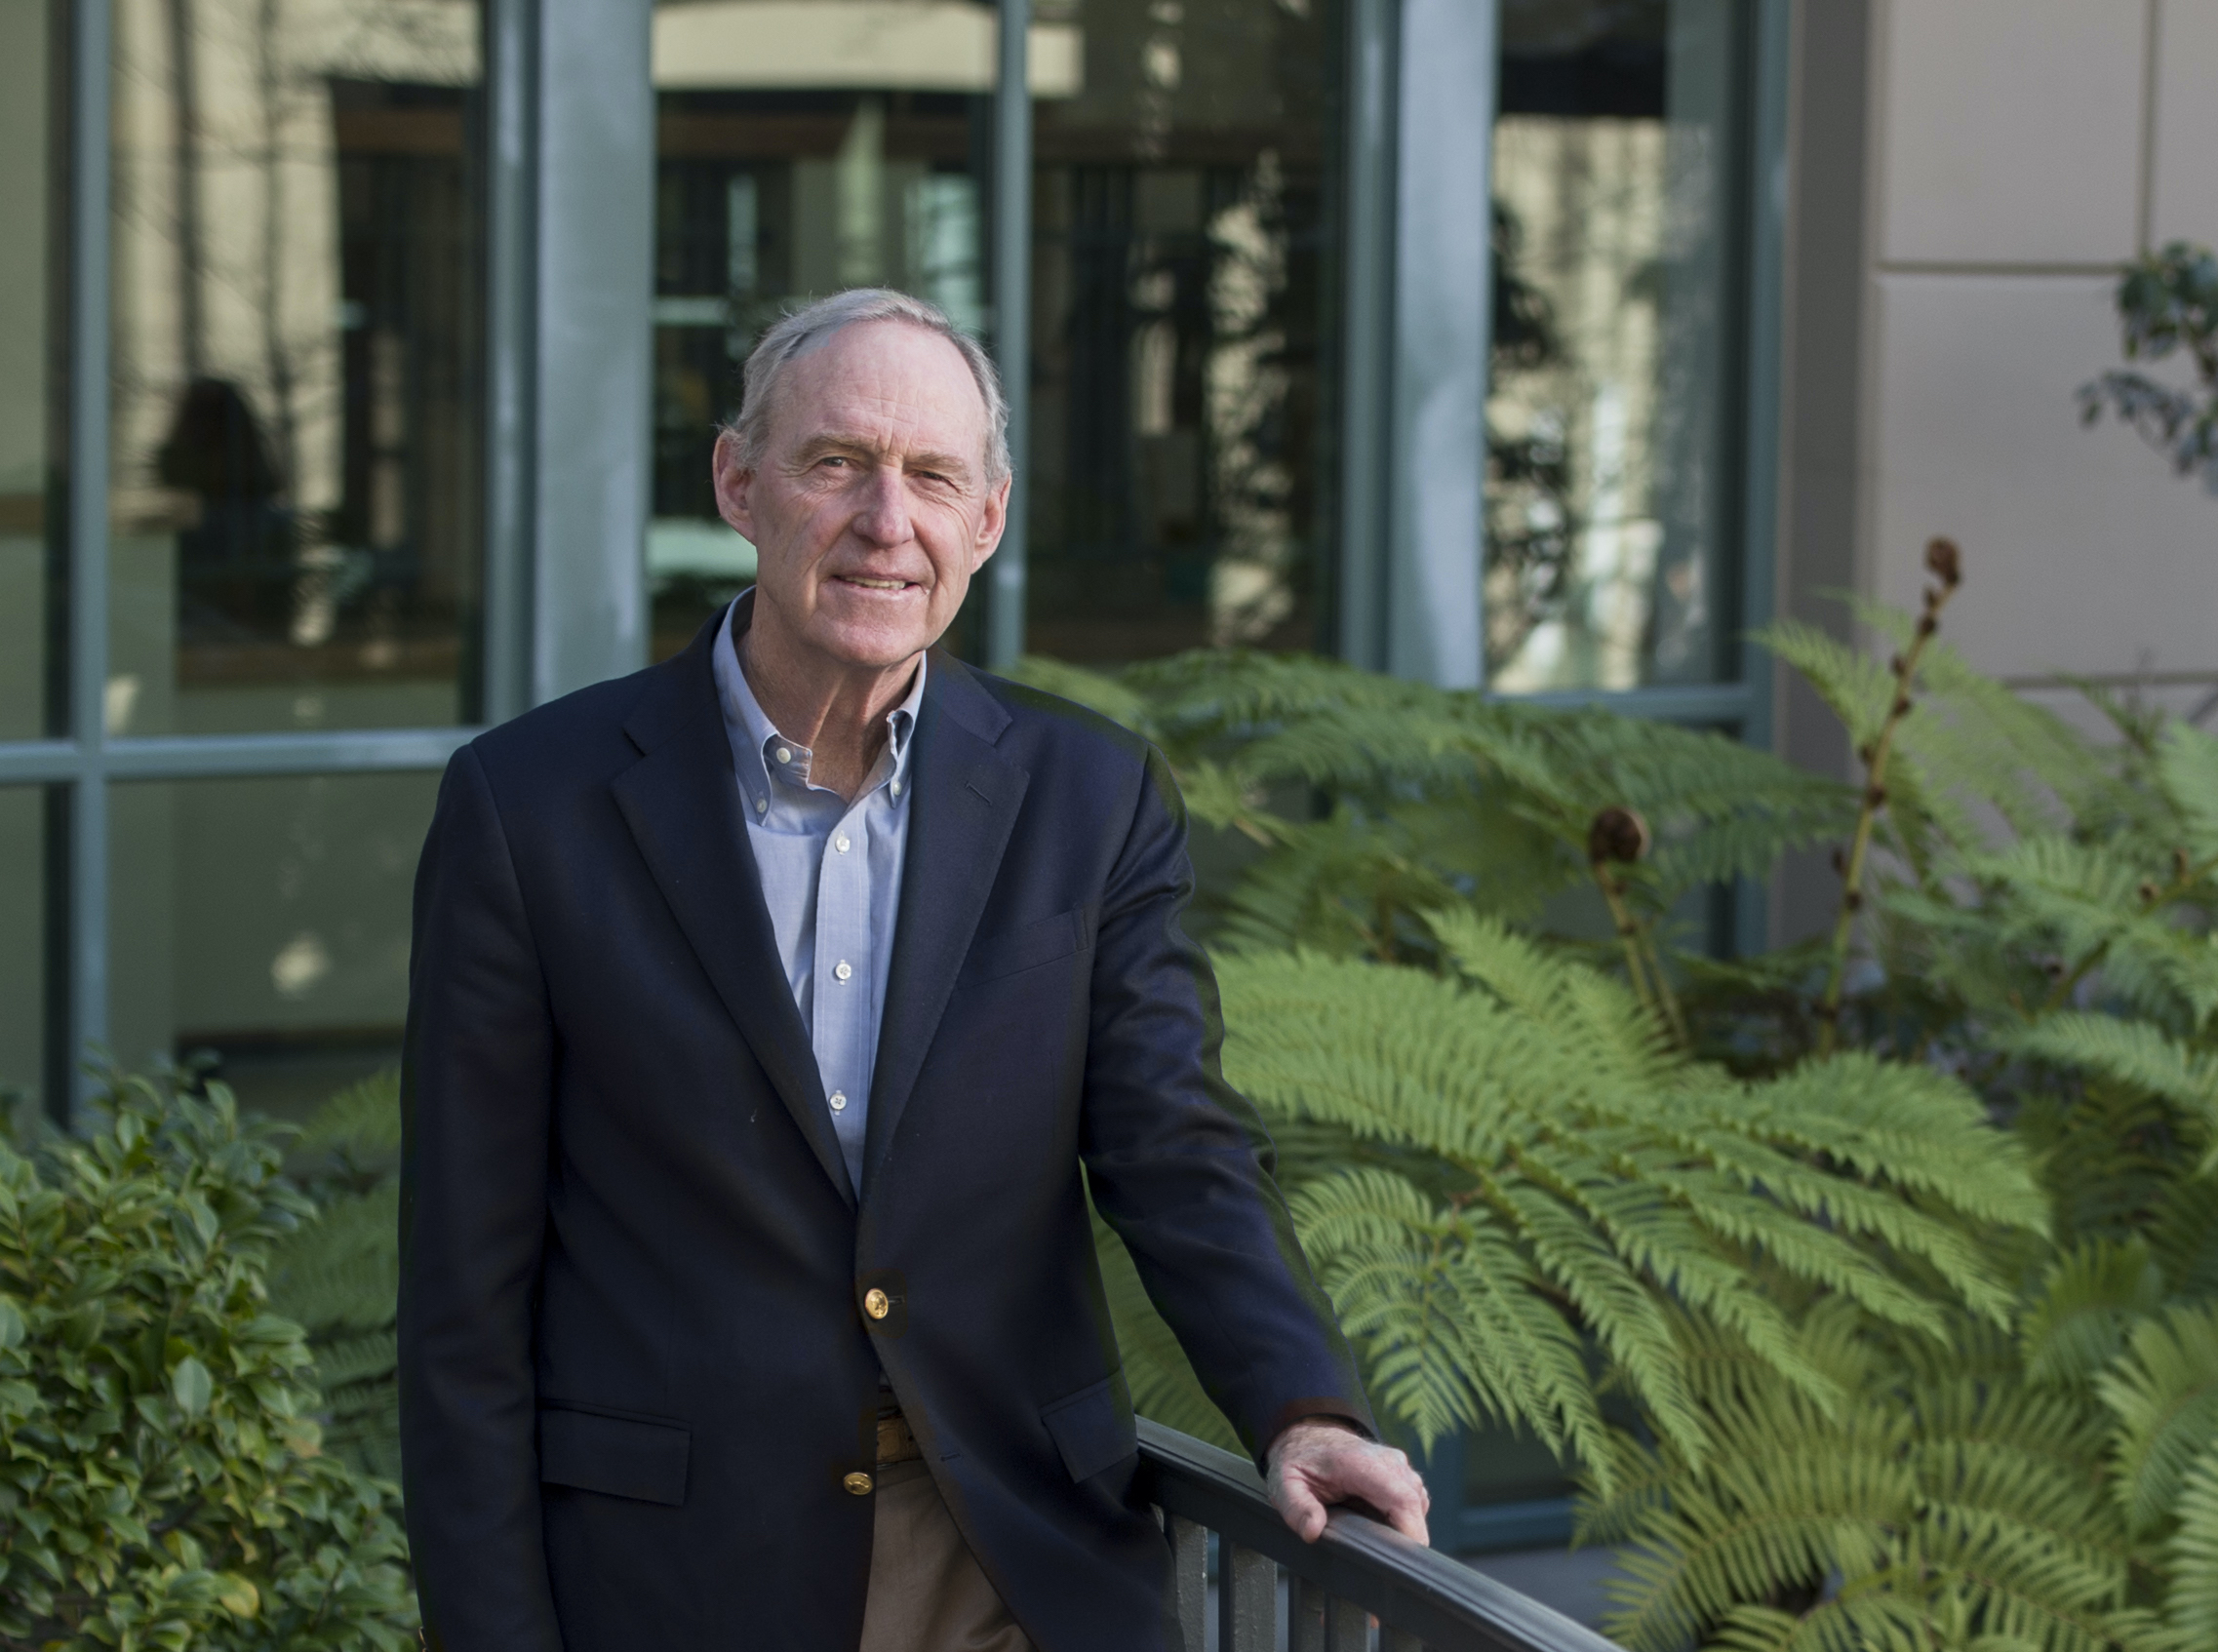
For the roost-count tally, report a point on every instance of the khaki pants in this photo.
(926, 1591)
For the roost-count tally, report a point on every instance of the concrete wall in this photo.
(1967, 178)
(2019, 151)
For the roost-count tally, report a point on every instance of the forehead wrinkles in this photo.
(892, 414)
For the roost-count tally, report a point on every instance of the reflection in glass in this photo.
(31, 293)
(1185, 322)
(298, 343)
(266, 922)
(798, 153)
(22, 941)
(1606, 504)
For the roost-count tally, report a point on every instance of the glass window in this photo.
(298, 406)
(23, 874)
(265, 923)
(30, 252)
(1608, 533)
(801, 149)
(1185, 327)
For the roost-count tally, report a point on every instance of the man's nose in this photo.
(884, 519)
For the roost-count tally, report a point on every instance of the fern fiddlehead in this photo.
(1946, 564)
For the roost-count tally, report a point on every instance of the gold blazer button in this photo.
(874, 1304)
(857, 1482)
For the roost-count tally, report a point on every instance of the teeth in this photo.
(877, 584)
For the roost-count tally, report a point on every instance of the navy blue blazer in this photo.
(634, 1366)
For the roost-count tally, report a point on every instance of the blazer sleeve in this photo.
(476, 1089)
(1178, 1161)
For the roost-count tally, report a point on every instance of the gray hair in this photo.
(813, 325)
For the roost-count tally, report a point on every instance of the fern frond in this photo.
(2191, 1606)
(1631, 1183)
(1908, 1126)
(2131, 1052)
(362, 1120)
(2163, 1392)
(1765, 1517)
(2187, 766)
(1856, 687)
(342, 1271)
(1450, 1314)
(1096, 691)
(2092, 1296)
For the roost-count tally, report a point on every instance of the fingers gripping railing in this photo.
(1357, 1572)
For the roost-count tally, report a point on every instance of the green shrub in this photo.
(162, 1481)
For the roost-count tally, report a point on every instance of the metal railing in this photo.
(1357, 1572)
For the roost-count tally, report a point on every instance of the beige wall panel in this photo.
(2010, 129)
(2084, 552)
(2184, 190)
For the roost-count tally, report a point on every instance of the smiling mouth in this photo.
(869, 584)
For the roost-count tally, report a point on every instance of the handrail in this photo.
(1360, 1570)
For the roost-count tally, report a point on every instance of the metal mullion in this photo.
(1761, 401)
(41, 762)
(1764, 283)
(82, 1010)
(350, 751)
(1710, 703)
(1367, 333)
(1436, 532)
(511, 178)
(1011, 258)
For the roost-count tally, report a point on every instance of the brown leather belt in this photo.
(897, 1440)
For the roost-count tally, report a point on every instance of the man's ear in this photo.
(993, 522)
(735, 485)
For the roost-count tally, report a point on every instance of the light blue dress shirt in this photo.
(831, 873)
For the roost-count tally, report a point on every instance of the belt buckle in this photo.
(897, 1440)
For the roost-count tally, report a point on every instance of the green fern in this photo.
(340, 1274)
(2191, 1606)
(1560, 1157)
(1916, 1331)
(2163, 1392)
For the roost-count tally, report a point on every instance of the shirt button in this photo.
(840, 844)
(842, 969)
(783, 755)
(761, 805)
(859, 1484)
(839, 1101)
(896, 788)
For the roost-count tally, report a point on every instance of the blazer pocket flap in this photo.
(1094, 1428)
(620, 1456)
(1026, 946)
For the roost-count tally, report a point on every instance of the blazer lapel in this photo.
(963, 803)
(682, 802)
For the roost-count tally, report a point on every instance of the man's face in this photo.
(871, 509)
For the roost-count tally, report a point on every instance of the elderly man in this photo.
(765, 1009)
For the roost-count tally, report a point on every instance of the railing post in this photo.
(1347, 1628)
(1248, 1599)
(1322, 1624)
(1190, 1580)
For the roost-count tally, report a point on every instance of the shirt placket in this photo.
(844, 969)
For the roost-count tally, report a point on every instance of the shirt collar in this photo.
(751, 729)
